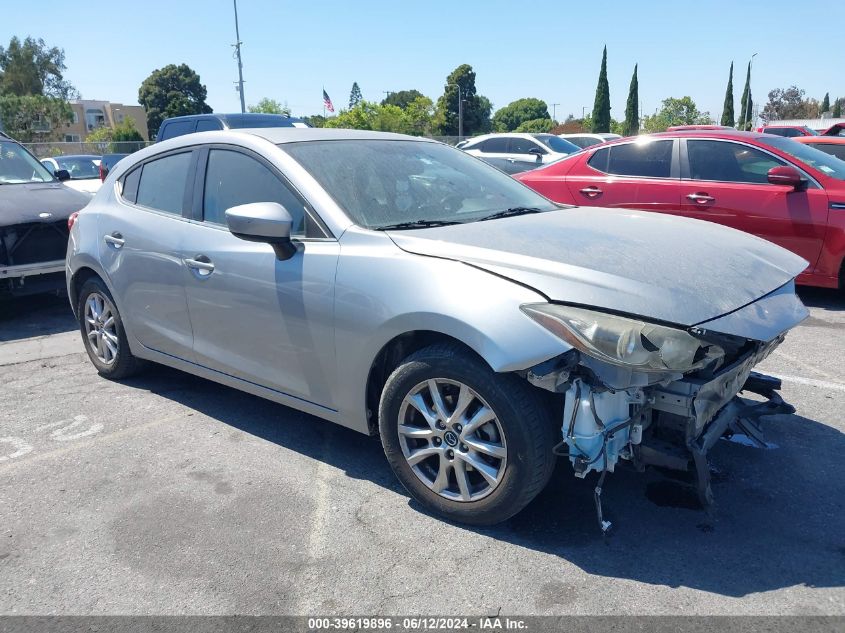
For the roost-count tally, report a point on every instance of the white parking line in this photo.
(810, 382)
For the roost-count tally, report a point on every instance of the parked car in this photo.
(788, 130)
(107, 161)
(179, 125)
(767, 185)
(837, 129)
(511, 165)
(399, 287)
(34, 210)
(84, 170)
(588, 140)
(540, 148)
(833, 145)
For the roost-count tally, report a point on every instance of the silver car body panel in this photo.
(660, 267)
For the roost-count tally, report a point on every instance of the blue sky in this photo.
(549, 50)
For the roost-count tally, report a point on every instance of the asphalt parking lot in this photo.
(168, 494)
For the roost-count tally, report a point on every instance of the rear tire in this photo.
(469, 444)
(102, 332)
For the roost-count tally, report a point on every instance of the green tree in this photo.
(32, 68)
(746, 106)
(728, 108)
(172, 91)
(367, 115)
(269, 106)
(355, 95)
(123, 138)
(32, 118)
(837, 108)
(631, 126)
(674, 111)
(476, 108)
(601, 107)
(536, 126)
(403, 98)
(825, 103)
(789, 104)
(510, 117)
(315, 120)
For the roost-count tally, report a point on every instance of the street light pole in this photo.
(460, 111)
(238, 55)
(554, 111)
(748, 102)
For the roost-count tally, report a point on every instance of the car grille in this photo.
(33, 243)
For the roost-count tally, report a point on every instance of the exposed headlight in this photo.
(622, 341)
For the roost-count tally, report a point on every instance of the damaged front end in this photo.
(653, 394)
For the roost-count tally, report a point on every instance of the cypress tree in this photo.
(745, 116)
(837, 109)
(632, 107)
(601, 107)
(728, 108)
(825, 103)
(354, 95)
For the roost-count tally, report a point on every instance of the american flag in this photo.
(327, 102)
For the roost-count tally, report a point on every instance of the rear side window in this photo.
(129, 189)
(497, 145)
(729, 162)
(648, 160)
(163, 181)
(523, 146)
(176, 128)
(208, 125)
(232, 178)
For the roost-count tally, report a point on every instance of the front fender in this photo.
(383, 292)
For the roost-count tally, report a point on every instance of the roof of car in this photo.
(294, 135)
(825, 140)
(709, 133)
(92, 156)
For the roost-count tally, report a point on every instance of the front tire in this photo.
(469, 444)
(102, 332)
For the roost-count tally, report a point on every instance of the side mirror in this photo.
(786, 175)
(267, 222)
(62, 174)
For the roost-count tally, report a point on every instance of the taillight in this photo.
(103, 172)
(71, 220)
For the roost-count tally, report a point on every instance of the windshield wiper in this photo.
(507, 213)
(416, 224)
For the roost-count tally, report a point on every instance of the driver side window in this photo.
(232, 178)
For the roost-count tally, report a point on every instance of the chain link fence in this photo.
(46, 150)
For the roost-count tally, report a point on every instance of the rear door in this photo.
(638, 175)
(726, 182)
(140, 242)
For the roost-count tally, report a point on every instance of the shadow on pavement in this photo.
(37, 315)
(777, 522)
(825, 298)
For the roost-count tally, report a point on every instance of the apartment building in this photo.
(89, 114)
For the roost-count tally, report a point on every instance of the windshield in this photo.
(810, 156)
(381, 183)
(557, 144)
(79, 167)
(19, 166)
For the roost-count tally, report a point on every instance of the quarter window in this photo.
(729, 162)
(498, 145)
(163, 181)
(232, 178)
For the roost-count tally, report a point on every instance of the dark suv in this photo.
(179, 125)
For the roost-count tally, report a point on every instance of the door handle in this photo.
(700, 198)
(115, 239)
(201, 265)
(591, 192)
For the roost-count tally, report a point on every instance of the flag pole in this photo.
(324, 103)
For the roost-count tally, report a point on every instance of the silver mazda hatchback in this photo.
(401, 287)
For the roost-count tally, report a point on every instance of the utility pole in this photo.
(554, 111)
(460, 111)
(237, 46)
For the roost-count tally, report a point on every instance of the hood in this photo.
(25, 202)
(660, 267)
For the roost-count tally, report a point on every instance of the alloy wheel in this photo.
(100, 328)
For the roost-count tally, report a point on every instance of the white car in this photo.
(587, 140)
(539, 148)
(84, 170)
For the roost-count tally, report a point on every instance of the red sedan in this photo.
(788, 193)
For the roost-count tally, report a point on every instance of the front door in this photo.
(727, 182)
(254, 317)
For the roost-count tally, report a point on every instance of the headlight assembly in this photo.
(621, 341)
